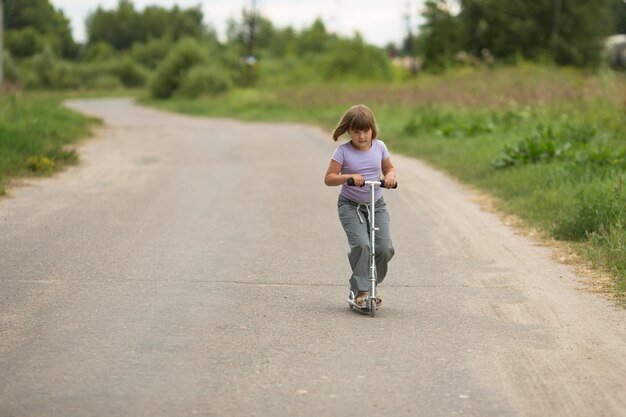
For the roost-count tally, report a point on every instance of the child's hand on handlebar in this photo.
(389, 181)
(359, 180)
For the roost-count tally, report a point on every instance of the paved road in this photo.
(197, 267)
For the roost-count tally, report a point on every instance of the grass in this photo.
(548, 143)
(35, 131)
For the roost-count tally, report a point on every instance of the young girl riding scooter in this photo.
(363, 158)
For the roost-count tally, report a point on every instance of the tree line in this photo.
(564, 32)
(130, 47)
(157, 47)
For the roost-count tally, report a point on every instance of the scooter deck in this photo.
(365, 310)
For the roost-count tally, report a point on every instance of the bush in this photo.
(171, 72)
(105, 82)
(204, 79)
(42, 65)
(151, 53)
(99, 51)
(128, 72)
(51, 72)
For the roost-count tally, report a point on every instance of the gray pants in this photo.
(355, 221)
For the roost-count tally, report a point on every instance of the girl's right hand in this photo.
(358, 179)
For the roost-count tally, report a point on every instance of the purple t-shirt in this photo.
(367, 163)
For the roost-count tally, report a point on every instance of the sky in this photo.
(379, 21)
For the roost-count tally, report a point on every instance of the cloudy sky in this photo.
(378, 21)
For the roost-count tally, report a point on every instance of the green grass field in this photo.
(548, 143)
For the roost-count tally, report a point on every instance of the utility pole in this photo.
(408, 43)
(251, 29)
(249, 39)
(1, 43)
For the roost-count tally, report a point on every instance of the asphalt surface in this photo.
(195, 266)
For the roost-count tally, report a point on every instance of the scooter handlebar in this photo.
(379, 183)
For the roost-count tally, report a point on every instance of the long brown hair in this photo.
(357, 117)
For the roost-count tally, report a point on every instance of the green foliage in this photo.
(11, 69)
(124, 26)
(34, 133)
(151, 53)
(565, 32)
(118, 28)
(539, 146)
(101, 81)
(99, 52)
(127, 71)
(582, 143)
(452, 123)
(596, 211)
(52, 28)
(172, 71)
(24, 42)
(619, 13)
(210, 79)
(440, 38)
(48, 71)
(315, 39)
(602, 155)
(44, 71)
(268, 40)
(40, 164)
(607, 249)
(352, 58)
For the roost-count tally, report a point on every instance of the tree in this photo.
(315, 39)
(120, 28)
(267, 39)
(619, 12)
(40, 17)
(568, 32)
(124, 26)
(439, 38)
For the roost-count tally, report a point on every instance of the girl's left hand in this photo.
(389, 181)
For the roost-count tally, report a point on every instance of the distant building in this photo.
(615, 47)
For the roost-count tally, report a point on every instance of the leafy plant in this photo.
(602, 156)
(579, 133)
(540, 146)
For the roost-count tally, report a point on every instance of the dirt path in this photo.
(195, 266)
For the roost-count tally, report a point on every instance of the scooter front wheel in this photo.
(372, 307)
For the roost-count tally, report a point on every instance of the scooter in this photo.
(369, 307)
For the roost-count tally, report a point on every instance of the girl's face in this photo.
(361, 139)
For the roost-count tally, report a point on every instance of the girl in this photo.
(363, 158)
